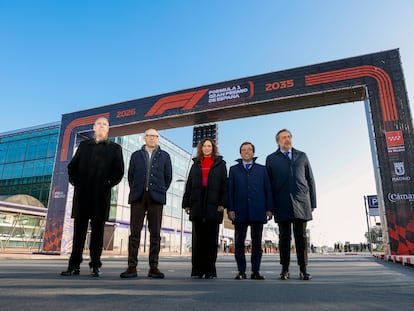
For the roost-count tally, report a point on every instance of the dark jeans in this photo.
(95, 245)
(204, 247)
(153, 210)
(240, 232)
(301, 242)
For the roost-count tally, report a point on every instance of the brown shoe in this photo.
(131, 272)
(155, 273)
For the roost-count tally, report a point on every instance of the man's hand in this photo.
(232, 215)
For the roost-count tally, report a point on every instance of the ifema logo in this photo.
(395, 197)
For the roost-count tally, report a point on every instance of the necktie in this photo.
(287, 154)
(248, 166)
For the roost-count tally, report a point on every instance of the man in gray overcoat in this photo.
(294, 199)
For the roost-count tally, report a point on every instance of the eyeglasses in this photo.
(151, 136)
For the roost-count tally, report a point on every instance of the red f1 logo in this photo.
(184, 101)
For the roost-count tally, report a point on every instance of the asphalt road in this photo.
(339, 282)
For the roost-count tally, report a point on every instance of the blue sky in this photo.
(62, 56)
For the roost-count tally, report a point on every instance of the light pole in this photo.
(182, 223)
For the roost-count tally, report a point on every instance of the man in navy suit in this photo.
(294, 200)
(250, 204)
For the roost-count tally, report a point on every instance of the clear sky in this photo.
(58, 57)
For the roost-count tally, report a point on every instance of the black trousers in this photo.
(153, 210)
(301, 242)
(95, 245)
(204, 247)
(240, 232)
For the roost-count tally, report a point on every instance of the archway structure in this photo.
(375, 78)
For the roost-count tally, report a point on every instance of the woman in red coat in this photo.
(205, 199)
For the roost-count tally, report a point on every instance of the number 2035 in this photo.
(278, 85)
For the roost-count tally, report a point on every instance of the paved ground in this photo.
(358, 282)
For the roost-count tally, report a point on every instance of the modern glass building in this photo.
(26, 166)
(26, 161)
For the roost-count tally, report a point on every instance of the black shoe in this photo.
(284, 275)
(240, 276)
(209, 275)
(70, 272)
(130, 272)
(256, 276)
(95, 272)
(304, 276)
(155, 273)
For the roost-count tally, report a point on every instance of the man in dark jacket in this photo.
(250, 204)
(149, 177)
(96, 167)
(294, 199)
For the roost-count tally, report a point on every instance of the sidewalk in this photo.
(23, 253)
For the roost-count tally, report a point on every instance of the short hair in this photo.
(101, 118)
(151, 129)
(247, 143)
(281, 131)
(214, 153)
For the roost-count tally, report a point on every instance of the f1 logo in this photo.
(184, 101)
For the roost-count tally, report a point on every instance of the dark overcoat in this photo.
(216, 192)
(160, 175)
(93, 171)
(250, 194)
(293, 186)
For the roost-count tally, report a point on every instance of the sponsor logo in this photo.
(395, 197)
(395, 141)
(399, 170)
(58, 194)
(233, 92)
(184, 101)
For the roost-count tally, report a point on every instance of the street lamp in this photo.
(182, 224)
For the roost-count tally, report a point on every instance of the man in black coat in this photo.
(96, 167)
(149, 177)
(294, 199)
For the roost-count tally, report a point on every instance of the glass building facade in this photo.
(176, 229)
(26, 167)
(26, 161)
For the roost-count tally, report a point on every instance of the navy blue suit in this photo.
(250, 197)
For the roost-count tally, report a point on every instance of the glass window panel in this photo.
(51, 150)
(48, 167)
(7, 171)
(3, 152)
(21, 151)
(28, 169)
(38, 168)
(42, 148)
(11, 153)
(31, 150)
